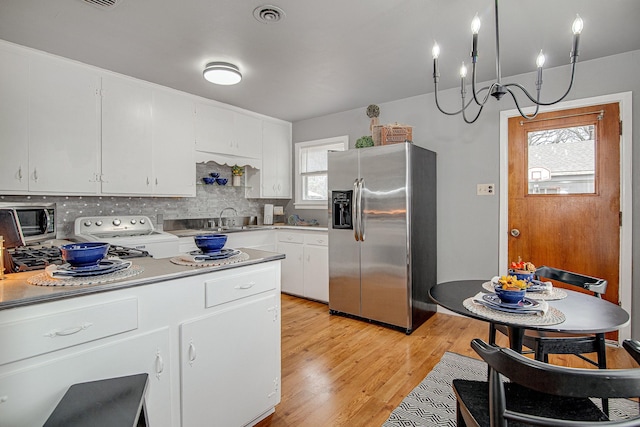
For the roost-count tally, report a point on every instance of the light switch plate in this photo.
(486, 189)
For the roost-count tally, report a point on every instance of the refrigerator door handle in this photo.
(354, 210)
(360, 220)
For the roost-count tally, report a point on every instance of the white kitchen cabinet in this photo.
(14, 130)
(174, 167)
(224, 131)
(126, 137)
(52, 352)
(49, 125)
(273, 180)
(305, 270)
(230, 359)
(316, 267)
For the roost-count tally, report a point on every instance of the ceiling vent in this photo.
(103, 4)
(268, 14)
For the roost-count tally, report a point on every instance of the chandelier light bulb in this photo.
(540, 59)
(577, 25)
(435, 51)
(475, 24)
(463, 71)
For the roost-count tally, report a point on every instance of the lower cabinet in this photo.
(305, 270)
(29, 394)
(230, 364)
(209, 342)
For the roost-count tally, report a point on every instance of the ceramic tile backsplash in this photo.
(209, 201)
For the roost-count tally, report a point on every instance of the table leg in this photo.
(515, 338)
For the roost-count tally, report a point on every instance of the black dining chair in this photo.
(538, 393)
(633, 348)
(545, 343)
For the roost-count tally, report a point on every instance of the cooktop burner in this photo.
(27, 258)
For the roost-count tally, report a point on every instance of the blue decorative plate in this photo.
(105, 266)
(492, 301)
(212, 256)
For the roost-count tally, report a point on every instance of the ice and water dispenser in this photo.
(341, 211)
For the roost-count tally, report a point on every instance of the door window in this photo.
(562, 160)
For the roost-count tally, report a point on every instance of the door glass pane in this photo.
(562, 161)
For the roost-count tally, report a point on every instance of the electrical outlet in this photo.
(486, 189)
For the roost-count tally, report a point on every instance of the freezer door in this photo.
(344, 250)
(384, 251)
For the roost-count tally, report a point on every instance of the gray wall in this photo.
(468, 227)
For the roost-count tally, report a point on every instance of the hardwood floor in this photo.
(338, 371)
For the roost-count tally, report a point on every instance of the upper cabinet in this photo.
(14, 130)
(223, 131)
(50, 137)
(174, 168)
(273, 180)
(126, 137)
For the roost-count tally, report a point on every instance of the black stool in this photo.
(114, 402)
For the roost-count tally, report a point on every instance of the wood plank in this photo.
(338, 371)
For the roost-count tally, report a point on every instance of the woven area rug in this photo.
(433, 403)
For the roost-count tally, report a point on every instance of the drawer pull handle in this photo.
(58, 333)
(246, 285)
(192, 353)
(159, 365)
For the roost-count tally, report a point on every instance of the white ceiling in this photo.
(324, 56)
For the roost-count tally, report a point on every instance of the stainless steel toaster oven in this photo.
(36, 222)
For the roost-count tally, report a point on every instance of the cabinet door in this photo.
(14, 142)
(316, 272)
(292, 268)
(64, 127)
(276, 164)
(174, 167)
(230, 362)
(247, 136)
(214, 129)
(126, 137)
(32, 393)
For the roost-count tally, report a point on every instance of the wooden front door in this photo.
(564, 192)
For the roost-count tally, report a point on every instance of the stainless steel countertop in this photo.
(16, 292)
(245, 228)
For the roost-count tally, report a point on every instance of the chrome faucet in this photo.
(235, 213)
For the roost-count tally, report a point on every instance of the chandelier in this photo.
(498, 89)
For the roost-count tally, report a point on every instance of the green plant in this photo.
(237, 170)
(364, 141)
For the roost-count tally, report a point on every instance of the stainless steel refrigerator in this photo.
(382, 234)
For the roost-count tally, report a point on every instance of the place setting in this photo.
(85, 264)
(211, 252)
(536, 289)
(512, 299)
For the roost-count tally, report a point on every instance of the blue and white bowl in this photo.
(208, 243)
(509, 296)
(527, 276)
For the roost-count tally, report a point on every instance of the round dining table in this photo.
(583, 313)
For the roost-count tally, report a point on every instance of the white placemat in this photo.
(43, 279)
(552, 317)
(213, 263)
(555, 294)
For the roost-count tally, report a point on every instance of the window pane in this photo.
(314, 187)
(314, 159)
(562, 161)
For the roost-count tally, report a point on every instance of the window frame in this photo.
(299, 203)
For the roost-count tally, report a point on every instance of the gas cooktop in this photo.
(27, 258)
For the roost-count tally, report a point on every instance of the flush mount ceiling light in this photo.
(498, 89)
(222, 73)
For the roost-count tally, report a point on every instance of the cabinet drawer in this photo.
(319, 239)
(52, 332)
(231, 288)
(290, 237)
